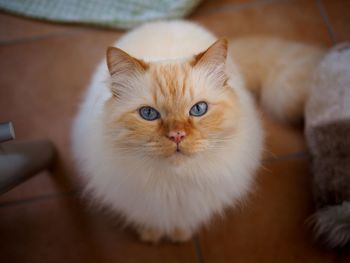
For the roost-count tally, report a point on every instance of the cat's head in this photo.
(171, 110)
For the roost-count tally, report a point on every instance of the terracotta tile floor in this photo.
(45, 68)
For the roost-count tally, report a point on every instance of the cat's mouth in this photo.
(179, 150)
(183, 149)
(178, 156)
(176, 150)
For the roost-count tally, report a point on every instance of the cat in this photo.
(168, 136)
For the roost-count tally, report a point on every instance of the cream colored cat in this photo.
(167, 135)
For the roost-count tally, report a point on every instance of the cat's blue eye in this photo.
(148, 113)
(199, 109)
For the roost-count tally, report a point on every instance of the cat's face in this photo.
(171, 110)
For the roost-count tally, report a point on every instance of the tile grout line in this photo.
(302, 155)
(198, 249)
(325, 19)
(37, 198)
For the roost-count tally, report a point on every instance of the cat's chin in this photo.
(178, 158)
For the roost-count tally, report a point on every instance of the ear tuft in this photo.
(215, 55)
(120, 62)
(123, 69)
(212, 62)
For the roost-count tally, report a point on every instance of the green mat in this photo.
(110, 13)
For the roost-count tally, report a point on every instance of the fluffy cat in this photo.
(167, 135)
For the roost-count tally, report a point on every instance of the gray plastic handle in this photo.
(21, 160)
(6, 131)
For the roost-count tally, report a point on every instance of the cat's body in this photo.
(133, 165)
(278, 71)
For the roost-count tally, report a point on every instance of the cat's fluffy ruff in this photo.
(152, 192)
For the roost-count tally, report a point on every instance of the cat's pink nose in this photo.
(177, 136)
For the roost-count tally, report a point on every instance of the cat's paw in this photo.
(150, 235)
(180, 235)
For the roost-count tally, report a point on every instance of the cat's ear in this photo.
(122, 68)
(214, 56)
(120, 62)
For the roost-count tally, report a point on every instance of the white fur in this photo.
(278, 71)
(154, 193)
